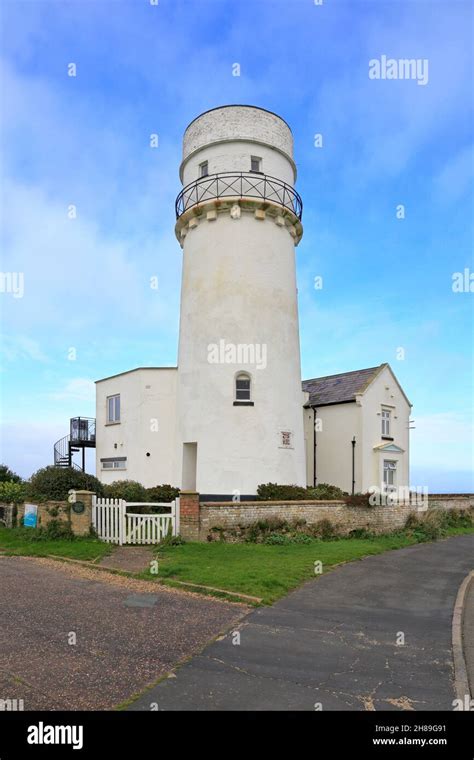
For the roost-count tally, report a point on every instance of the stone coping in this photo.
(261, 503)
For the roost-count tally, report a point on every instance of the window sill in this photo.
(243, 403)
(108, 424)
(387, 438)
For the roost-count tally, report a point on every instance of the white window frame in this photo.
(259, 164)
(386, 422)
(114, 464)
(390, 474)
(204, 169)
(114, 418)
(237, 391)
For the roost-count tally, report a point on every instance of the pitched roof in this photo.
(335, 389)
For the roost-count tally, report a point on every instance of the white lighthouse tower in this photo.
(239, 396)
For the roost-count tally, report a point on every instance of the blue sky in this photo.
(142, 69)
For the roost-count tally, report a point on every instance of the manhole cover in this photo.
(141, 600)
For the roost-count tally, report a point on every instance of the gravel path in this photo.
(128, 633)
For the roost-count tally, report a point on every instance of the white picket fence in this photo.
(114, 524)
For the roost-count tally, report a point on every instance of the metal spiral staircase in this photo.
(81, 436)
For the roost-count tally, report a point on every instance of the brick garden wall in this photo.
(62, 511)
(198, 520)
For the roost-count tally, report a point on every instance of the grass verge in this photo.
(266, 571)
(20, 541)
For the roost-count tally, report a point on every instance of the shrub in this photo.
(12, 492)
(358, 500)
(326, 491)
(324, 529)
(172, 541)
(165, 493)
(275, 492)
(277, 539)
(56, 482)
(57, 529)
(426, 526)
(7, 475)
(360, 533)
(130, 490)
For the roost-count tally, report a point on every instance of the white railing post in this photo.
(122, 522)
(176, 516)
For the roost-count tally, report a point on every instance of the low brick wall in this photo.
(7, 513)
(64, 512)
(231, 515)
(376, 519)
(47, 511)
(450, 501)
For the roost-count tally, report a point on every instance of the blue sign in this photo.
(31, 516)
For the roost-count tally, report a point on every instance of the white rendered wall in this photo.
(228, 136)
(235, 157)
(239, 285)
(384, 391)
(146, 395)
(339, 423)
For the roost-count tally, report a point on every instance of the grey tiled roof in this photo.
(333, 389)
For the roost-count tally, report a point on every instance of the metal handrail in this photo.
(61, 452)
(82, 429)
(241, 185)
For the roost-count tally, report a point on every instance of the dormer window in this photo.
(243, 390)
(204, 169)
(255, 164)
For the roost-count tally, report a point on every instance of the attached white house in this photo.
(357, 430)
(233, 413)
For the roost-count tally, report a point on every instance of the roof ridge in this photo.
(338, 374)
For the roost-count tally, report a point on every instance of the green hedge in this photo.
(8, 476)
(165, 493)
(55, 483)
(12, 492)
(132, 490)
(275, 492)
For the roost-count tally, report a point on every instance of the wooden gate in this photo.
(114, 524)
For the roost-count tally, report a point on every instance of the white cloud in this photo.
(15, 347)
(78, 389)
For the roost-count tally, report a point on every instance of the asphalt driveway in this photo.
(125, 637)
(370, 635)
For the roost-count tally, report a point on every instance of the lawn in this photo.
(17, 541)
(268, 572)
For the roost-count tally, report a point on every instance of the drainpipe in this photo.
(353, 464)
(314, 445)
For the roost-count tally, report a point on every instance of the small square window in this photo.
(255, 164)
(204, 169)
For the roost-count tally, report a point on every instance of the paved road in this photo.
(468, 635)
(334, 642)
(126, 638)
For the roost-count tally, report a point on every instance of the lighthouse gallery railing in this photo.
(240, 185)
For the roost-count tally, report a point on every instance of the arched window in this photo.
(242, 387)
